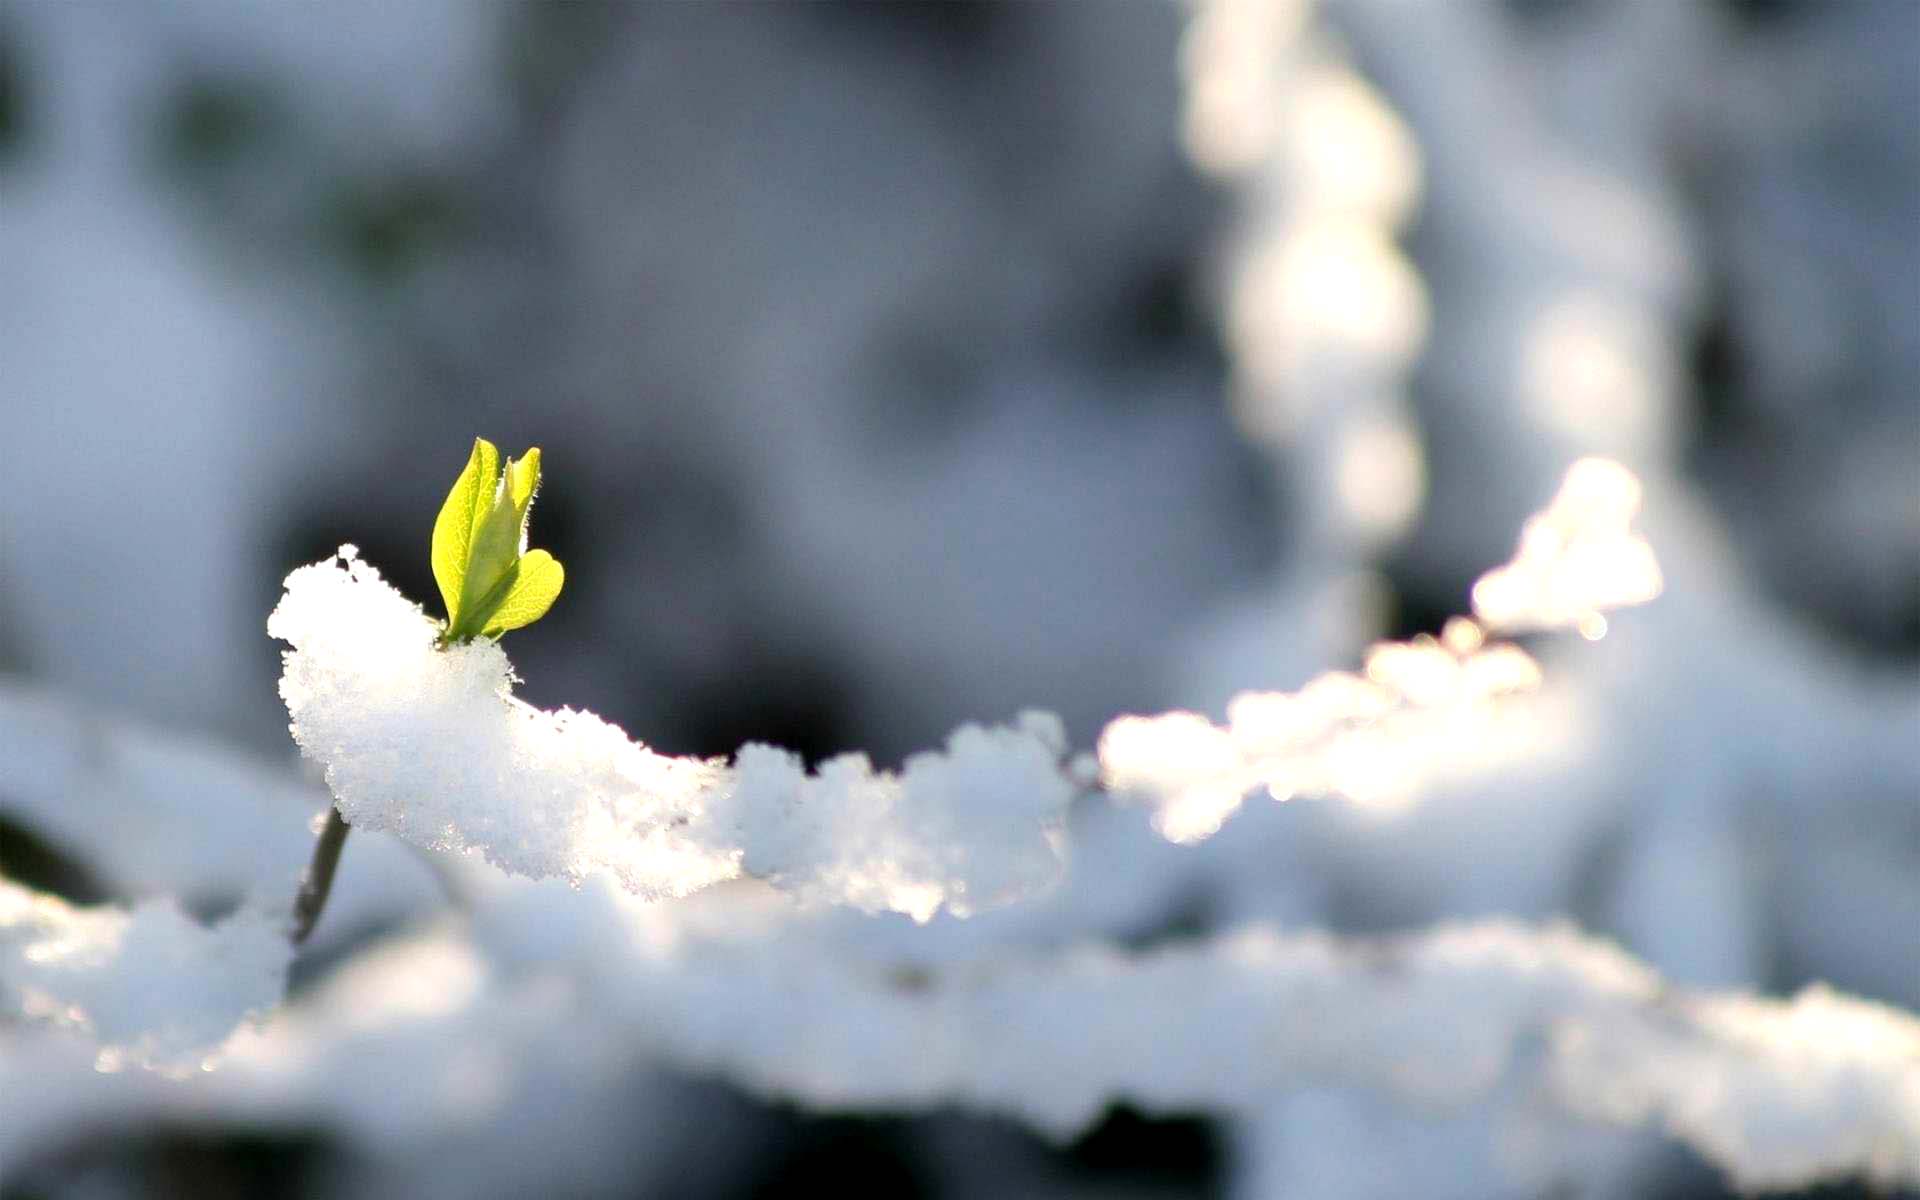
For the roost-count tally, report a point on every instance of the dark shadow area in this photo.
(175, 1162)
(33, 862)
(1129, 1150)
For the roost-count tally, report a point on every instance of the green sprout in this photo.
(488, 578)
(490, 582)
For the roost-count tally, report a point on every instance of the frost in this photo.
(431, 745)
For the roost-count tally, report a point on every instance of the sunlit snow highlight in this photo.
(1575, 559)
(1419, 706)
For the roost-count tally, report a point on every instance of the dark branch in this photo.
(319, 877)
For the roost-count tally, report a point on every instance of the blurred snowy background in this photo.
(898, 365)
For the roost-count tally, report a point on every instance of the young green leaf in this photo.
(453, 528)
(488, 579)
(531, 594)
(496, 547)
(523, 479)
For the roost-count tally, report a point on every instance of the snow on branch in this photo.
(1417, 704)
(1777, 1093)
(151, 986)
(432, 746)
(1575, 560)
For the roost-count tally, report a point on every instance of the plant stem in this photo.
(318, 880)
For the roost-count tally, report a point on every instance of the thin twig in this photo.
(318, 880)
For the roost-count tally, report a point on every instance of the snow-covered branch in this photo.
(1777, 1093)
(432, 746)
(1419, 705)
(1575, 560)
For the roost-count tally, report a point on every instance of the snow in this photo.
(150, 814)
(978, 825)
(1779, 1093)
(432, 746)
(1374, 737)
(1576, 559)
(1425, 331)
(150, 986)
